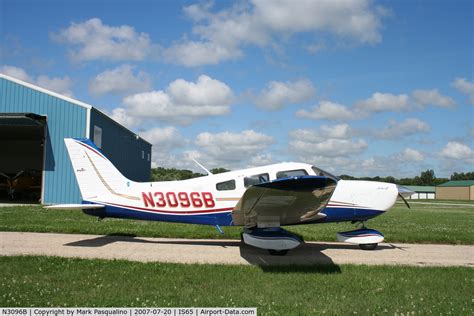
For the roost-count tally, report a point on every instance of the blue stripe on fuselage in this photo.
(341, 214)
(222, 219)
(334, 214)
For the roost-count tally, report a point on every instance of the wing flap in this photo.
(287, 201)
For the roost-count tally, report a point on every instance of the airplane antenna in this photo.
(202, 167)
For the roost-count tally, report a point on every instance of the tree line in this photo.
(427, 177)
(165, 174)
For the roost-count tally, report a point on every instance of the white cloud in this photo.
(205, 92)
(339, 131)
(372, 165)
(432, 97)
(408, 127)
(183, 101)
(411, 155)
(277, 94)
(465, 86)
(380, 102)
(458, 151)
(60, 85)
(195, 53)
(353, 19)
(120, 115)
(165, 138)
(234, 149)
(328, 141)
(261, 160)
(119, 80)
(16, 72)
(315, 47)
(327, 110)
(329, 147)
(166, 141)
(93, 40)
(222, 34)
(56, 84)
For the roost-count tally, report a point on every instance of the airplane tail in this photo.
(95, 174)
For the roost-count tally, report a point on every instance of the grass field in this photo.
(423, 223)
(49, 281)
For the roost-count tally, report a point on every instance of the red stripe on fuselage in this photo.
(349, 206)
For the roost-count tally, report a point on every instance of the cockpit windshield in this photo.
(322, 173)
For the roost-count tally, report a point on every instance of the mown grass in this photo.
(290, 290)
(424, 223)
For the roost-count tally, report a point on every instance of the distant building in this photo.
(33, 124)
(456, 190)
(421, 192)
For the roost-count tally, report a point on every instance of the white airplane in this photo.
(260, 199)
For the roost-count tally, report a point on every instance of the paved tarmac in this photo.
(227, 251)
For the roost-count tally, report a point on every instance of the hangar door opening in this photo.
(22, 140)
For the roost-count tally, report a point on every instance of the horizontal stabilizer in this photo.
(74, 206)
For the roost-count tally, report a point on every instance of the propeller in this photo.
(404, 191)
(406, 203)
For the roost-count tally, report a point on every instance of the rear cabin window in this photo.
(291, 173)
(226, 186)
(256, 179)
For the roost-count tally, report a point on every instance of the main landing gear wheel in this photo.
(278, 252)
(368, 246)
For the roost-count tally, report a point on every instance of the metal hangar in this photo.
(34, 164)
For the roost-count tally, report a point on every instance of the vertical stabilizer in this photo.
(96, 176)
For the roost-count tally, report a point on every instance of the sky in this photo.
(363, 88)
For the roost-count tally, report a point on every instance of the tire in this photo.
(277, 252)
(368, 246)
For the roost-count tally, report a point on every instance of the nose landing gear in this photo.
(368, 246)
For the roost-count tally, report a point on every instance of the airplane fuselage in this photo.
(260, 199)
(210, 200)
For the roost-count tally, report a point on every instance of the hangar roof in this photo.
(43, 90)
(65, 98)
(459, 183)
(421, 188)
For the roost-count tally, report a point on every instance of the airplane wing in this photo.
(288, 201)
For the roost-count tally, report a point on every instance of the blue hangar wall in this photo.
(67, 117)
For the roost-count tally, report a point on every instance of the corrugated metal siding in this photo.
(122, 147)
(65, 119)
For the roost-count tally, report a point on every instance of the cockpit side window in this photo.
(226, 185)
(322, 173)
(256, 179)
(291, 173)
